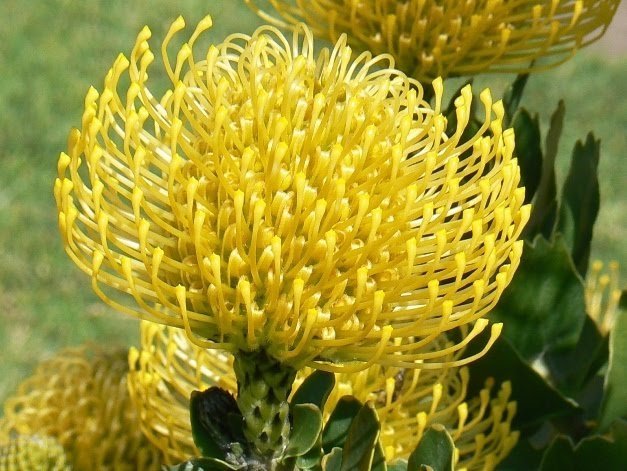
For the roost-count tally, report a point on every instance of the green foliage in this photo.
(614, 403)
(434, 452)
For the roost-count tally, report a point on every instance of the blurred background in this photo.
(51, 51)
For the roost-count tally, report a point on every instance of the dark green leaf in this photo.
(358, 450)
(378, 459)
(615, 398)
(544, 214)
(580, 201)
(536, 400)
(217, 424)
(436, 450)
(572, 367)
(512, 97)
(523, 457)
(528, 151)
(543, 308)
(315, 389)
(336, 429)
(306, 427)
(333, 460)
(591, 453)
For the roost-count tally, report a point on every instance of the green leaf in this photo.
(306, 427)
(358, 450)
(571, 368)
(528, 151)
(544, 214)
(315, 389)
(378, 458)
(436, 450)
(591, 453)
(398, 465)
(512, 97)
(615, 398)
(217, 424)
(333, 460)
(543, 308)
(536, 400)
(580, 201)
(339, 422)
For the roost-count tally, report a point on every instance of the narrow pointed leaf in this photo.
(339, 422)
(315, 389)
(544, 214)
(378, 459)
(358, 450)
(615, 398)
(580, 201)
(436, 450)
(528, 151)
(513, 95)
(306, 427)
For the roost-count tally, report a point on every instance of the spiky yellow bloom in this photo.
(435, 38)
(32, 453)
(603, 294)
(309, 206)
(168, 368)
(79, 397)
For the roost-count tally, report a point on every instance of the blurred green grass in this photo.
(52, 51)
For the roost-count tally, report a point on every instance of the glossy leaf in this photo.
(358, 450)
(306, 427)
(571, 368)
(615, 398)
(543, 308)
(315, 389)
(436, 450)
(580, 201)
(528, 151)
(378, 458)
(544, 213)
(596, 452)
(536, 400)
(339, 422)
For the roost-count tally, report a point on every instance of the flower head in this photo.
(79, 398)
(311, 206)
(28, 453)
(168, 368)
(430, 38)
(603, 294)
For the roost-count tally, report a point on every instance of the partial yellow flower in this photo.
(435, 38)
(168, 368)
(79, 398)
(602, 294)
(32, 453)
(311, 206)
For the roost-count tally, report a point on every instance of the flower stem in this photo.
(263, 386)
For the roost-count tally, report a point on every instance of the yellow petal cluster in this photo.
(168, 368)
(79, 398)
(311, 205)
(433, 38)
(32, 453)
(602, 294)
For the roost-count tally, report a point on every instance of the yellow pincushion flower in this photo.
(32, 453)
(602, 293)
(430, 38)
(168, 368)
(79, 397)
(309, 206)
